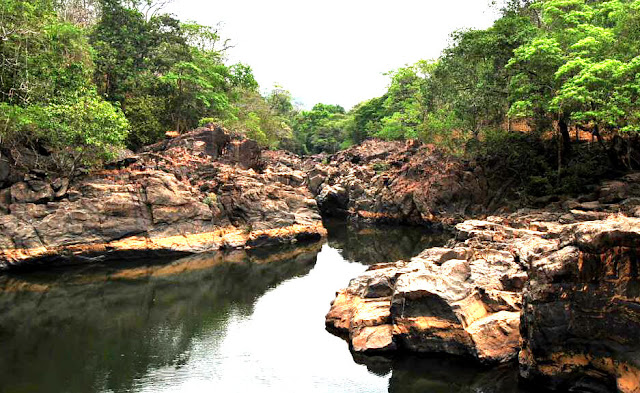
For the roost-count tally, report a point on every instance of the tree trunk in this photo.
(566, 138)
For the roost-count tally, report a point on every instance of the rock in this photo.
(396, 182)
(5, 170)
(246, 153)
(333, 200)
(60, 187)
(460, 300)
(34, 191)
(158, 204)
(374, 339)
(5, 200)
(581, 310)
(578, 321)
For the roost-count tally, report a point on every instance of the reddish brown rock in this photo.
(580, 315)
(411, 183)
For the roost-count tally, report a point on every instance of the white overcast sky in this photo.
(333, 51)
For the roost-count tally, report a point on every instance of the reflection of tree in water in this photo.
(442, 374)
(369, 244)
(105, 327)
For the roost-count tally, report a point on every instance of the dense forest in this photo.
(83, 79)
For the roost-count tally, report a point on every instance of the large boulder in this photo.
(460, 300)
(581, 315)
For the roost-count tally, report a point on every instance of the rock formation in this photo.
(581, 314)
(397, 182)
(568, 294)
(201, 191)
(462, 300)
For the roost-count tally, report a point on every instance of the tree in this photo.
(48, 101)
(322, 129)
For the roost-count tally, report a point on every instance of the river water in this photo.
(238, 322)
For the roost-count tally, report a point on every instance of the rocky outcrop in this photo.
(462, 300)
(577, 323)
(397, 182)
(202, 191)
(582, 310)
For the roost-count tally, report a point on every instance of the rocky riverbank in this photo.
(202, 191)
(557, 289)
(400, 183)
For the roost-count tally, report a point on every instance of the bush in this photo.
(206, 120)
(83, 132)
(379, 167)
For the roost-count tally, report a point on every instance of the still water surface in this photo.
(239, 322)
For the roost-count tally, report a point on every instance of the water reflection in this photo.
(369, 244)
(102, 329)
(236, 322)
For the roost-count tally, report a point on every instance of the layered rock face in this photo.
(202, 191)
(397, 182)
(581, 314)
(460, 300)
(577, 322)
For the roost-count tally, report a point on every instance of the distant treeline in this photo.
(558, 64)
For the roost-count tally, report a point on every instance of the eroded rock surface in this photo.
(581, 314)
(397, 182)
(462, 300)
(580, 318)
(201, 191)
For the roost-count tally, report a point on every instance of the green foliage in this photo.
(322, 129)
(43, 59)
(211, 199)
(167, 75)
(145, 113)
(582, 66)
(79, 133)
(255, 115)
(48, 101)
(206, 120)
(380, 167)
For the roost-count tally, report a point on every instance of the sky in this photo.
(332, 51)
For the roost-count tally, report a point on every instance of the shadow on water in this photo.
(100, 328)
(442, 374)
(386, 243)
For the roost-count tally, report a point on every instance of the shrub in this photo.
(380, 167)
(83, 132)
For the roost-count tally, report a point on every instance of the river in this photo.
(233, 322)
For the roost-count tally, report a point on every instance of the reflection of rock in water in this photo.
(104, 328)
(368, 244)
(414, 374)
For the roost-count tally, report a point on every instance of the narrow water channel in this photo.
(239, 322)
